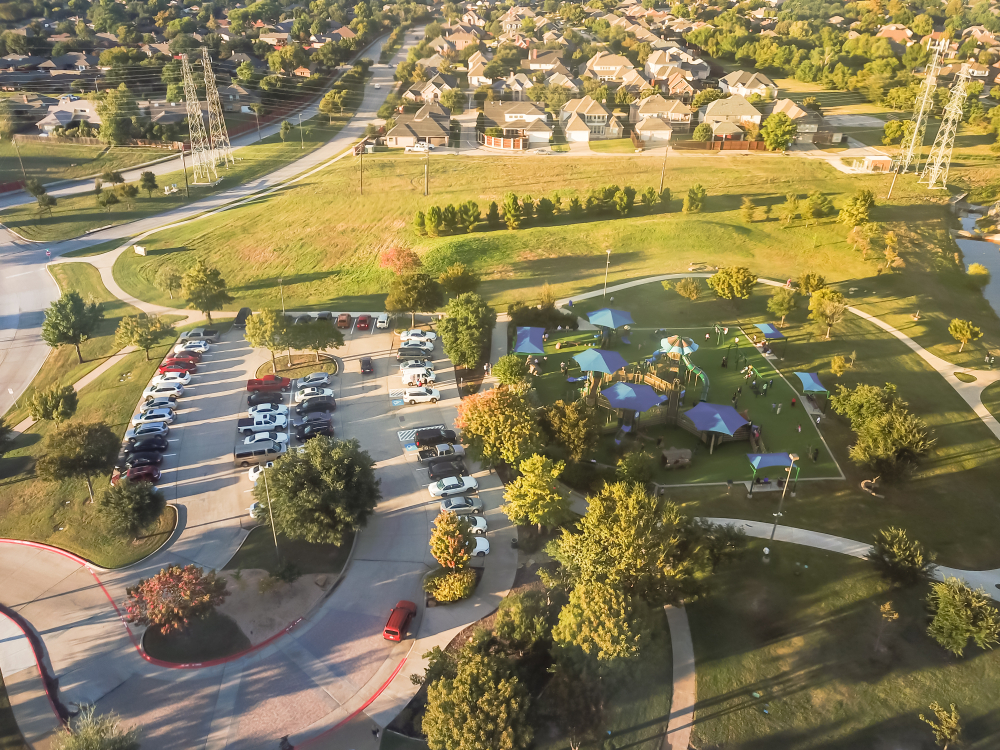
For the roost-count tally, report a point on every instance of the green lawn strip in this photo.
(212, 637)
(302, 364)
(86, 252)
(258, 552)
(803, 639)
(991, 399)
(394, 741)
(10, 734)
(59, 159)
(324, 263)
(613, 146)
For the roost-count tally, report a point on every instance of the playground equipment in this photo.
(696, 373)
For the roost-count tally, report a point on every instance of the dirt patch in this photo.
(262, 615)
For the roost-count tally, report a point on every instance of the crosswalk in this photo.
(396, 393)
(405, 435)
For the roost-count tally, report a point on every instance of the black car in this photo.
(315, 405)
(435, 436)
(259, 397)
(453, 468)
(306, 431)
(317, 418)
(366, 365)
(241, 317)
(146, 458)
(156, 443)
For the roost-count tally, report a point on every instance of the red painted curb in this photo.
(41, 671)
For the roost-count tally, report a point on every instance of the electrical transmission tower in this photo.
(935, 173)
(922, 108)
(201, 152)
(216, 122)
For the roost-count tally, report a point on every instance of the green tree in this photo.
(322, 493)
(205, 289)
(499, 425)
(469, 215)
(688, 288)
(635, 466)
(419, 223)
(511, 370)
(452, 542)
(702, 132)
(649, 198)
(117, 110)
(454, 100)
(169, 599)
(467, 329)
(37, 191)
(128, 507)
(332, 101)
(70, 320)
(536, 496)
(141, 331)
(483, 707)
(827, 306)
(127, 193)
(5, 436)
(778, 131)
(818, 205)
(964, 332)
(946, 723)
(694, 201)
(433, 221)
(577, 701)
(55, 404)
(107, 200)
(900, 559)
(522, 621)
(782, 303)
(90, 732)
(78, 450)
(572, 425)
(748, 209)
(285, 130)
(458, 279)
(147, 182)
(413, 292)
(268, 329)
(493, 216)
(623, 202)
(112, 176)
(511, 211)
(545, 210)
(790, 208)
(315, 335)
(858, 208)
(810, 283)
(733, 282)
(168, 279)
(962, 613)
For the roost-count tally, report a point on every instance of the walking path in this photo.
(685, 691)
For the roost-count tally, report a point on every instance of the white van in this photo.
(257, 453)
(382, 321)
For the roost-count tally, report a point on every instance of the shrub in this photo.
(586, 477)
(451, 586)
(979, 274)
(900, 559)
(546, 317)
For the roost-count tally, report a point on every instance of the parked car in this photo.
(183, 357)
(482, 547)
(364, 322)
(422, 345)
(261, 410)
(139, 474)
(264, 397)
(161, 390)
(419, 148)
(416, 334)
(147, 430)
(461, 505)
(319, 417)
(144, 458)
(308, 431)
(453, 468)
(183, 378)
(416, 364)
(256, 510)
(434, 436)
(153, 415)
(154, 443)
(325, 315)
(160, 402)
(344, 320)
(318, 379)
(312, 392)
(413, 376)
(177, 367)
(405, 353)
(366, 366)
(248, 455)
(421, 395)
(192, 346)
(268, 383)
(266, 437)
(256, 471)
(200, 334)
(241, 317)
(477, 524)
(453, 486)
(399, 621)
(382, 321)
(261, 423)
(440, 452)
(314, 405)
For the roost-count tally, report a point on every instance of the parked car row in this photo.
(342, 320)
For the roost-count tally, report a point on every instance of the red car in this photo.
(139, 474)
(364, 322)
(184, 357)
(268, 383)
(399, 620)
(178, 367)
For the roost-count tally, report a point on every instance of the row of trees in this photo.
(272, 330)
(777, 132)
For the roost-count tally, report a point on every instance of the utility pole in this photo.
(187, 190)
(274, 531)
(922, 108)
(606, 269)
(221, 147)
(302, 143)
(281, 287)
(362, 171)
(256, 115)
(788, 480)
(23, 174)
(664, 167)
(427, 165)
(935, 173)
(202, 157)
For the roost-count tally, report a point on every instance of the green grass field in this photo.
(785, 652)
(258, 552)
(613, 146)
(57, 159)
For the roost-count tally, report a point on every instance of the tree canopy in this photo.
(451, 540)
(412, 293)
(572, 425)
(142, 331)
(458, 278)
(205, 289)
(961, 614)
(827, 306)
(127, 507)
(782, 303)
(778, 131)
(79, 450)
(169, 599)
(964, 332)
(56, 403)
(499, 425)
(536, 496)
(511, 369)
(70, 320)
(268, 329)
(466, 329)
(900, 559)
(733, 282)
(314, 335)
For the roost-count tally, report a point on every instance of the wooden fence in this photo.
(170, 146)
(507, 144)
(719, 145)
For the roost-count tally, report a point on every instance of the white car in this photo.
(316, 379)
(256, 511)
(417, 345)
(416, 364)
(378, 85)
(415, 334)
(192, 346)
(271, 410)
(256, 471)
(382, 321)
(477, 524)
(482, 547)
(156, 390)
(462, 506)
(421, 395)
(312, 392)
(419, 148)
(261, 437)
(153, 415)
(453, 486)
(147, 430)
(159, 402)
(412, 377)
(182, 378)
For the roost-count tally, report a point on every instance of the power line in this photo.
(201, 157)
(922, 109)
(216, 120)
(935, 173)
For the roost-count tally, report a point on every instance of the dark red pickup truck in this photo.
(268, 383)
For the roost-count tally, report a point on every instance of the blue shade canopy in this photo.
(715, 418)
(529, 341)
(810, 382)
(610, 318)
(633, 396)
(769, 331)
(678, 345)
(599, 360)
(765, 460)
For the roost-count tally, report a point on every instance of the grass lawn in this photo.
(58, 159)
(258, 552)
(300, 365)
(785, 653)
(75, 215)
(86, 252)
(613, 146)
(10, 734)
(991, 399)
(212, 637)
(393, 741)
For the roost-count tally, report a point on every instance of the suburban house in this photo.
(607, 67)
(274, 38)
(660, 61)
(671, 111)
(472, 19)
(71, 61)
(542, 60)
(653, 130)
(430, 91)
(513, 19)
(677, 86)
(430, 124)
(238, 58)
(745, 84)
(67, 112)
(898, 33)
(304, 71)
(599, 121)
(634, 83)
(236, 98)
(735, 109)
(812, 126)
(477, 70)
(524, 121)
(574, 85)
(515, 85)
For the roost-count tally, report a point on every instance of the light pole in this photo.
(281, 288)
(788, 480)
(606, 269)
(270, 513)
